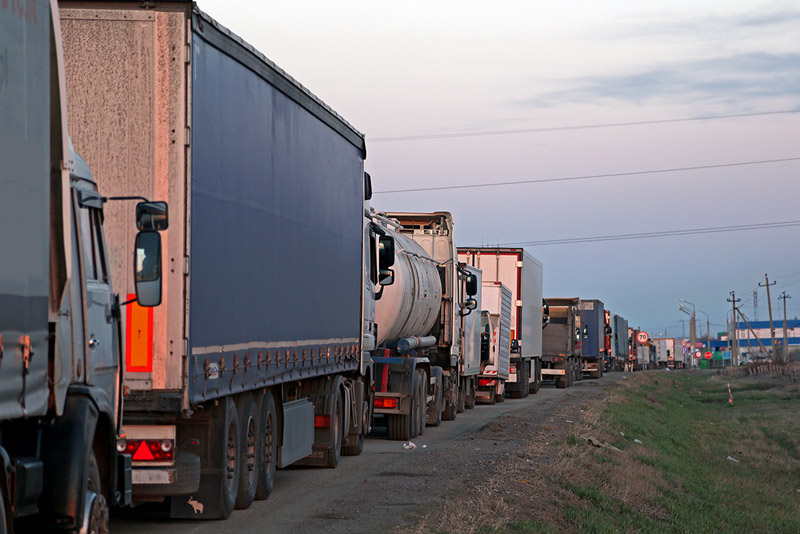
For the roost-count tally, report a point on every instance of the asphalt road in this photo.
(383, 488)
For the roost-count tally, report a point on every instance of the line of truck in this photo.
(253, 311)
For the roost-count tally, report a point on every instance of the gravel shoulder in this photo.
(390, 488)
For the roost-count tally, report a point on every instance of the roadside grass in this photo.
(665, 452)
(701, 466)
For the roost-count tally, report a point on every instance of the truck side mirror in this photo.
(386, 277)
(471, 283)
(577, 333)
(515, 348)
(385, 253)
(152, 216)
(585, 331)
(147, 268)
(367, 186)
(545, 313)
(608, 330)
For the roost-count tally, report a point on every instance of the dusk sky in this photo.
(514, 91)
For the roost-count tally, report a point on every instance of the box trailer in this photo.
(259, 355)
(495, 342)
(523, 275)
(619, 341)
(561, 341)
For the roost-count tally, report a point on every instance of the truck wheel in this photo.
(229, 459)
(462, 400)
(536, 373)
(422, 405)
(95, 518)
(434, 415)
(398, 426)
(451, 400)
(267, 438)
(470, 395)
(3, 526)
(522, 382)
(248, 459)
(334, 453)
(354, 449)
(562, 382)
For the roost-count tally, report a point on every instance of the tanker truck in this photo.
(522, 274)
(260, 355)
(425, 362)
(60, 346)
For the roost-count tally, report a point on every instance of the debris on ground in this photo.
(408, 445)
(732, 459)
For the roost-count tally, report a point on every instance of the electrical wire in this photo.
(587, 176)
(665, 233)
(567, 128)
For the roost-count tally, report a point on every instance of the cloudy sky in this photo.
(616, 116)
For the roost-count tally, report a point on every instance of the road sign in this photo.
(684, 342)
(696, 354)
(708, 354)
(642, 337)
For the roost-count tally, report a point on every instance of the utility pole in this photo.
(735, 347)
(785, 348)
(692, 331)
(769, 307)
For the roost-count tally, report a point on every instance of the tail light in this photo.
(486, 382)
(386, 403)
(322, 421)
(147, 450)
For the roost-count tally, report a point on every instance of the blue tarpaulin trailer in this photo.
(265, 297)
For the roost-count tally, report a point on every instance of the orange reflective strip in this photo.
(138, 338)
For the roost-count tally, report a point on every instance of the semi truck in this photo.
(668, 353)
(61, 352)
(428, 354)
(523, 275)
(593, 344)
(561, 342)
(495, 342)
(260, 354)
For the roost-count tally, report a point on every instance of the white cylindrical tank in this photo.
(410, 306)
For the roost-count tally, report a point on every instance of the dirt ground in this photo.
(487, 459)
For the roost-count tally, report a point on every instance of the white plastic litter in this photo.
(424, 446)
(408, 445)
(637, 441)
(732, 459)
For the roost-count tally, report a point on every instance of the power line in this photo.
(567, 128)
(587, 177)
(665, 233)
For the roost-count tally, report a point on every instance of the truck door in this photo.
(102, 362)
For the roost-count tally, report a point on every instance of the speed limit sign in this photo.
(642, 337)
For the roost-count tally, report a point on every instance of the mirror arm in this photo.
(128, 302)
(106, 199)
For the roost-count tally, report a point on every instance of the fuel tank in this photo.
(410, 306)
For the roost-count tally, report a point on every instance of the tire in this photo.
(462, 400)
(334, 453)
(450, 403)
(536, 373)
(470, 397)
(522, 381)
(267, 446)
(249, 458)
(96, 512)
(398, 427)
(3, 519)
(500, 398)
(229, 459)
(434, 415)
(354, 449)
(562, 382)
(422, 404)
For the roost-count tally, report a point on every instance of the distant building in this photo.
(760, 332)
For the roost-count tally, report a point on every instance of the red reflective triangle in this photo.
(143, 452)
